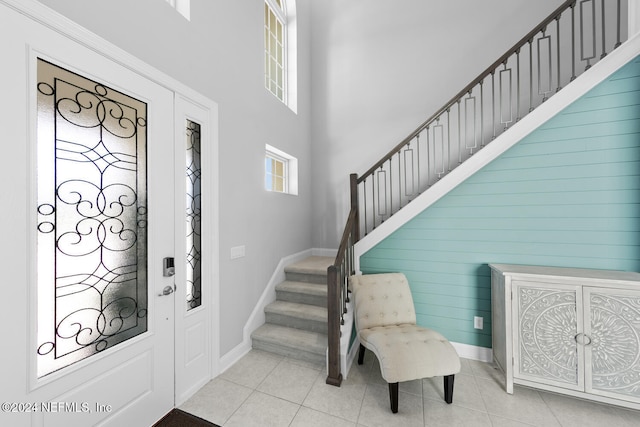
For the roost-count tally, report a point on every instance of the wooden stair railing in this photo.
(564, 45)
(337, 285)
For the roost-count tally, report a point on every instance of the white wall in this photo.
(634, 17)
(380, 68)
(220, 54)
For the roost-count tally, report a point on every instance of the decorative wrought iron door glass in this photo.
(92, 214)
(193, 181)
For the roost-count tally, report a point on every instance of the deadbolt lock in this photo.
(168, 268)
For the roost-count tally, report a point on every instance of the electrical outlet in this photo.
(477, 322)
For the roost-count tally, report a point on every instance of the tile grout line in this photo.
(305, 398)
(549, 407)
(254, 390)
(368, 377)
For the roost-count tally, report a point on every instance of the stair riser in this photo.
(305, 277)
(316, 300)
(294, 353)
(296, 322)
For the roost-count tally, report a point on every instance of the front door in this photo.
(88, 218)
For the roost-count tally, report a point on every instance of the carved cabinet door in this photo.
(547, 323)
(612, 349)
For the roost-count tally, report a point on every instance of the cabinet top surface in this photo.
(563, 272)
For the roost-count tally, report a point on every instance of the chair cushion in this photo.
(409, 352)
(382, 300)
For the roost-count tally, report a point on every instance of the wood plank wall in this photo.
(566, 195)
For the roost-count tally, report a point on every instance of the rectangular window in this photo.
(281, 171)
(275, 174)
(274, 50)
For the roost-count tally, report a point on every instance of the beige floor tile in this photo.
(311, 365)
(433, 388)
(487, 370)
(524, 405)
(263, 389)
(439, 414)
(497, 421)
(465, 391)
(413, 387)
(465, 366)
(217, 400)
(631, 417)
(576, 412)
(289, 381)
(262, 410)
(343, 402)
(307, 417)
(252, 369)
(358, 374)
(376, 409)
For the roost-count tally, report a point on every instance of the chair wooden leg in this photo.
(361, 355)
(393, 397)
(448, 388)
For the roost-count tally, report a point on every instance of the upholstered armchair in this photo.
(386, 324)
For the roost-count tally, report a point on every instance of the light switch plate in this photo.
(237, 252)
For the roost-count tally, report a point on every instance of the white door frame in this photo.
(45, 16)
(193, 328)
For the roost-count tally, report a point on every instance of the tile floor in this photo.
(263, 389)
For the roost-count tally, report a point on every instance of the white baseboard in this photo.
(237, 353)
(473, 352)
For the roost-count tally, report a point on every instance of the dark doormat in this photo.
(178, 418)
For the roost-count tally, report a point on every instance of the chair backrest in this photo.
(382, 300)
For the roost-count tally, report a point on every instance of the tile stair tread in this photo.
(291, 337)
(304, 311)
(302, 287)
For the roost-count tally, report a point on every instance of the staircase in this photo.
(296, 323)
(498, 108)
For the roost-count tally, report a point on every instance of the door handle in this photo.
(168, 290)
(582, 341)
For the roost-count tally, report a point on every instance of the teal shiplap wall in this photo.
(566, 195)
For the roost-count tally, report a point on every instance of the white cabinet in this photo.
(573, 331)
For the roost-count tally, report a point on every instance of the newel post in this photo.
(353, 183)
(334, 376)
